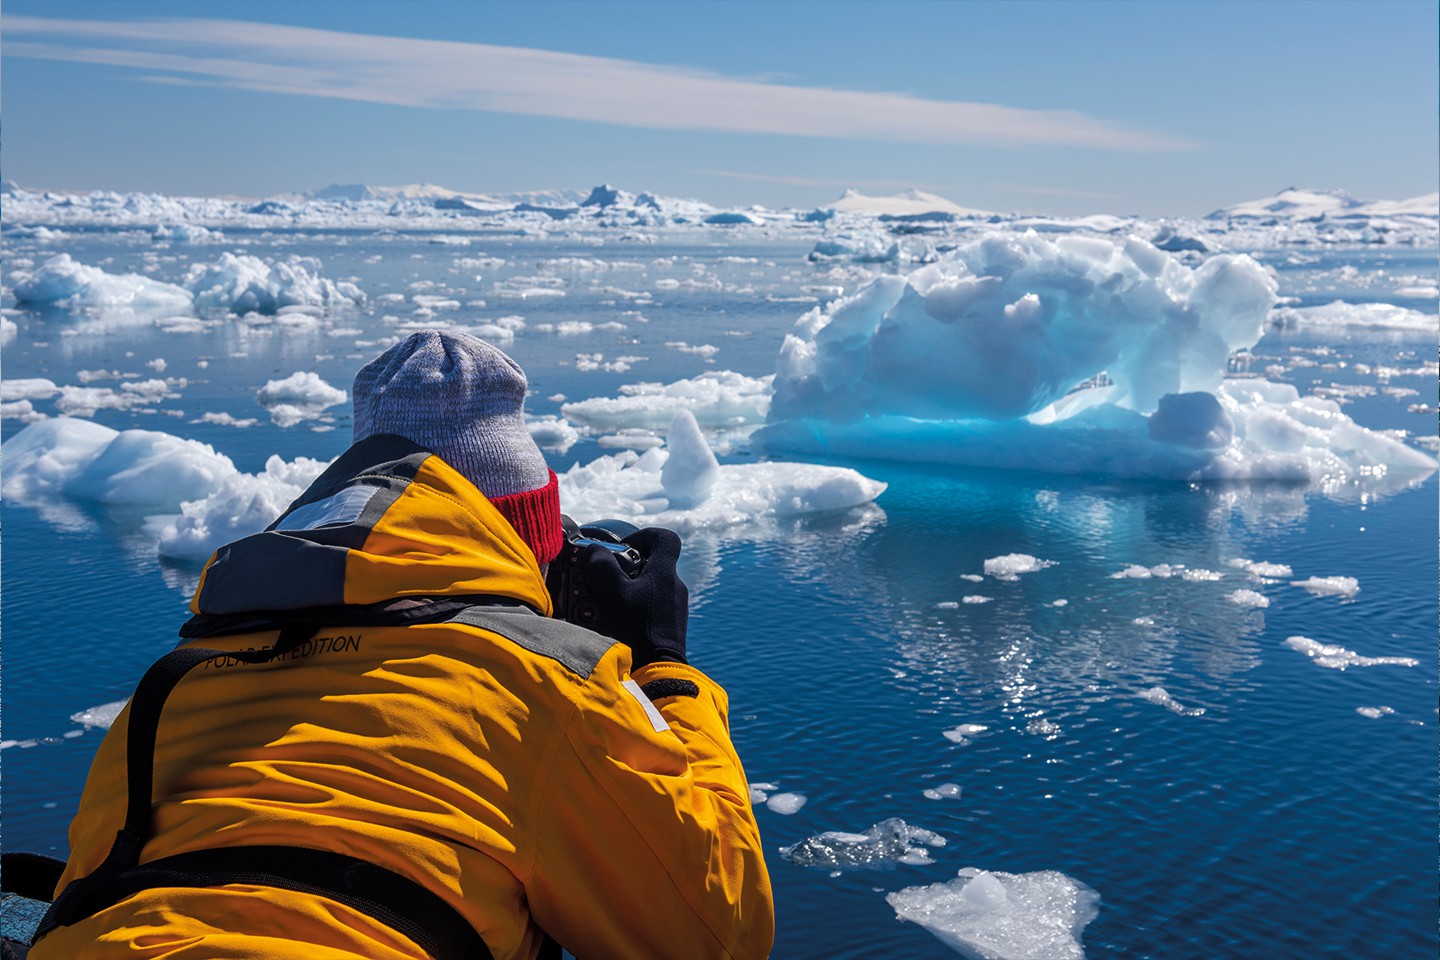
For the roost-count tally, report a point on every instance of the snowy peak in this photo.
(1301, 204)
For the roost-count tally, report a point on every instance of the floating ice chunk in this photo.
(300, 396)
(1374, 713)
(102, 716)
(241, 284)
(241, 505)
(760, 792)
(186, 233)
(887, 842)
(553, 433)
(786, 804)
(142, 468)
(67, 283)
(1261, 570)
(691, 469)
(964, 733)
(976, 598)
(1342, 314)
(718, 398)
(631, 440)
(1330, 586)
(943, 791)
(1040, 727)
(1335, 657)
(1011, 565)
(872, 247)
(972, 577)
(1162, 697)
(629, 487)
(1248, 598)
(1003, 916)
(35, 388)
(1062, 602)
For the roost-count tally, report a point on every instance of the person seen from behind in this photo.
(374, 741)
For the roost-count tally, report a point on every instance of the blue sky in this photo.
(1156, 108)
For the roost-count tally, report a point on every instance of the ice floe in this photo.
(985, 915)
(1345, 587)
(884, 844)
(298, 397)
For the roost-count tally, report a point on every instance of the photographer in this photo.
(375, 742)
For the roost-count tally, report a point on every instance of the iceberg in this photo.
(1079, 355)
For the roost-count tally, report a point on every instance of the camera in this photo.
(573, 596)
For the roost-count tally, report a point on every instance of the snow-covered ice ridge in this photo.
(876, 226)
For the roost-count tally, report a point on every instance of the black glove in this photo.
(649, 611)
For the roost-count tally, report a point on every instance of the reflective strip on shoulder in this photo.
(573, 646)
(337, 509)
(656, 719)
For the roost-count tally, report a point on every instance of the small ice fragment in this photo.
(1261, 570)
(1161, 696)
(760, 792)
(947, 605)
(887, 842)
(972, 577)
(1043, 728)
(1330, 586)
(1132, 572)
(961, 734)
(976, 598)
(943, 791)
(1335, 657)
(1011, 565)
(1248, 598)
(1374, 713)
(786, 804)
(102, 716)
(1062, 602)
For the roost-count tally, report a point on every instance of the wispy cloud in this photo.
(274, 58)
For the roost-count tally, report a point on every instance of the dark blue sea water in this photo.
(1262, 817)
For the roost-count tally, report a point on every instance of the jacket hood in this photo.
(387, 520)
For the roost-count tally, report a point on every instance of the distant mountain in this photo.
(907, 204)
(1297, 204)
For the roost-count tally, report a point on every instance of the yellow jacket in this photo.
(531, 784)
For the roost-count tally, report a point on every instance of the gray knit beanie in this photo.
(462, 399)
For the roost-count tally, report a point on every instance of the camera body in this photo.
(570, 590)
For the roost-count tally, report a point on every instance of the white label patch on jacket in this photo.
(335, 510)
(656, 720)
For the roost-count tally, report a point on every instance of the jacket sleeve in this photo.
(647, 845)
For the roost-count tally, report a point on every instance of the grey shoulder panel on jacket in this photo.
(575, 647)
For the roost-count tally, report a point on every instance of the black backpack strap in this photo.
(74, 902)
(398, 902)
